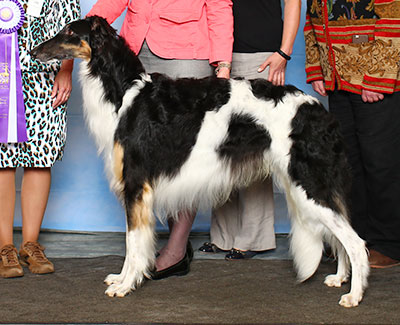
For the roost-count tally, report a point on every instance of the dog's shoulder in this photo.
(263, 89)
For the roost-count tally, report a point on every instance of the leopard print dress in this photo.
(46, 126)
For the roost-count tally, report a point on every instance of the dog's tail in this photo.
(306, 247)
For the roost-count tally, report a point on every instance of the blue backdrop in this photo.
(80, 199)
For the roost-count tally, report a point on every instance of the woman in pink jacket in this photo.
(180, 38)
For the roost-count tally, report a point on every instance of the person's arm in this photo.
(386, 49)
(109, 10)
(63, 83)
(277, 62)
(220, 27)
(223, 69)
(291, 21)
(313, 65)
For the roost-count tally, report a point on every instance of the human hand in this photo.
(62, 85)
(371, 96)
(223, 73)
(277, 68)
(223, 69)
(319, 87)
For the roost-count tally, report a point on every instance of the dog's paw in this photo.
(113, 279)
(335, 280)
(350, 300)
(118, 290)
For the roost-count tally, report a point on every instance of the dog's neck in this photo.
(117, 67)
(110, 76)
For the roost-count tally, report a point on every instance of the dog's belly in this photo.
(210, 174)
(202, 181)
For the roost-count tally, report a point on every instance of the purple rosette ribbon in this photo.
(12, 109)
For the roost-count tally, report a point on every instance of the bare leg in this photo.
(7, 204)
(34, 196)
(175, 249)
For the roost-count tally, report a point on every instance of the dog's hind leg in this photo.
(343, 268)
(354, 246)
(306, 247)
(305, 242)
(340, 228)
(140, 241)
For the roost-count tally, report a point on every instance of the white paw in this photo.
(350, 300)
(113, 279)
(118, 290)
(335, 280)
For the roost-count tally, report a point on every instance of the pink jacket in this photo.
(174, 29)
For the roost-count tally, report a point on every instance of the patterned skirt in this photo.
(46, 126)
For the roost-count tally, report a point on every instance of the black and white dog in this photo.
(182, 144)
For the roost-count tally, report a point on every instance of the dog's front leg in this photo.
(118, 278)
(140, 243)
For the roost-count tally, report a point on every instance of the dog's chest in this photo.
(99, 113)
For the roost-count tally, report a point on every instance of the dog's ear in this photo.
(80, 27)
(101, 26)
(100, 31)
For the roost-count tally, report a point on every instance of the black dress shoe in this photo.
(210, 248)
(236, 254)
(179, 269)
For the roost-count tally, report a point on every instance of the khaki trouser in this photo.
(246, 221)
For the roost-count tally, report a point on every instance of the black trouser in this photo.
(372, 137)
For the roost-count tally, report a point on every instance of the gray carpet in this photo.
(214, 292)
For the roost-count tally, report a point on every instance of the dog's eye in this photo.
(69, 32)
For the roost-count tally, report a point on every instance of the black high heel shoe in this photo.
(179, 269)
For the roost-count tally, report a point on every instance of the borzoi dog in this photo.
(182, 144)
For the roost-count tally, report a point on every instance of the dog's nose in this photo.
(37, 52)
(33, 52)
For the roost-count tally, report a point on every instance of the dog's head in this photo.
(78, 39)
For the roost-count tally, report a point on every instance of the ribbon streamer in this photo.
(12, 108)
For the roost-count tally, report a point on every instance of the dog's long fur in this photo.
(187, 143)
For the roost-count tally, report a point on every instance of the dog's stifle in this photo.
(187, 143)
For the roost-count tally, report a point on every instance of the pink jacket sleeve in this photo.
(110, 10)
(220, 25)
